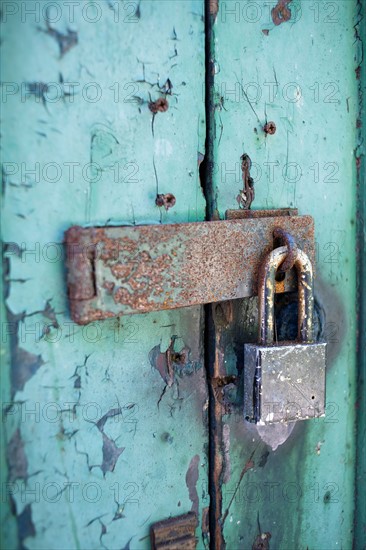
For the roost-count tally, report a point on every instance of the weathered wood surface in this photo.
(117, 438)
(127, 448)
(300, 74)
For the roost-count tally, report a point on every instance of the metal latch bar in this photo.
(137, 269)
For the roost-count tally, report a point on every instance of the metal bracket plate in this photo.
(136, 269)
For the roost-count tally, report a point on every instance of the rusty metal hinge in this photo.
(136, 269)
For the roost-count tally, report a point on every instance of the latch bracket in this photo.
(137, 269)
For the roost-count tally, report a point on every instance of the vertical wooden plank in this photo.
(290, 488)
(106, 424)
(360, 514)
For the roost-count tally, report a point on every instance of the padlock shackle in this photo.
(266, 294)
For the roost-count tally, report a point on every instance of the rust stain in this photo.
(221, 316)
(269, 128)
(205, 526)
(245, 214)
(246, 196)
(213, 7)
(266, 295)
(167, 362)
(161, 105)
(217, 465)
(82, 314)
(281, 13)
(161, 362)
(288, 240)
(80, 255)
(168, 200)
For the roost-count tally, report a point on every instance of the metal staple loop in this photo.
(266, 294)
(289, 241)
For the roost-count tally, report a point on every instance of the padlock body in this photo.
(284, 382)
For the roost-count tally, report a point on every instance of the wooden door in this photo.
(110, 108)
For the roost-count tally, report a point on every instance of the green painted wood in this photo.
(107, 441)
(360, 519)
(301, 75)
(103, 160)
(9, 534)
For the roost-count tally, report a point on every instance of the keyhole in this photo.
(280, 276)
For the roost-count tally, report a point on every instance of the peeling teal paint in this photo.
(301, 75)
(360, 478)
(107, 445)
(105, 437)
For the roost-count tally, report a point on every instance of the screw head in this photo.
(168, 200)
(161, 105)
(269, 128)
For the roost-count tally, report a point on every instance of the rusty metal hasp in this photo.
(137, 269)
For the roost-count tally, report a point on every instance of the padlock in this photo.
(284, 381)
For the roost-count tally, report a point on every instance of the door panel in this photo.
(107, 439)
(295, 484)
(106, 426)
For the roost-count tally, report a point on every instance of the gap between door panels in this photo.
(212, 330)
